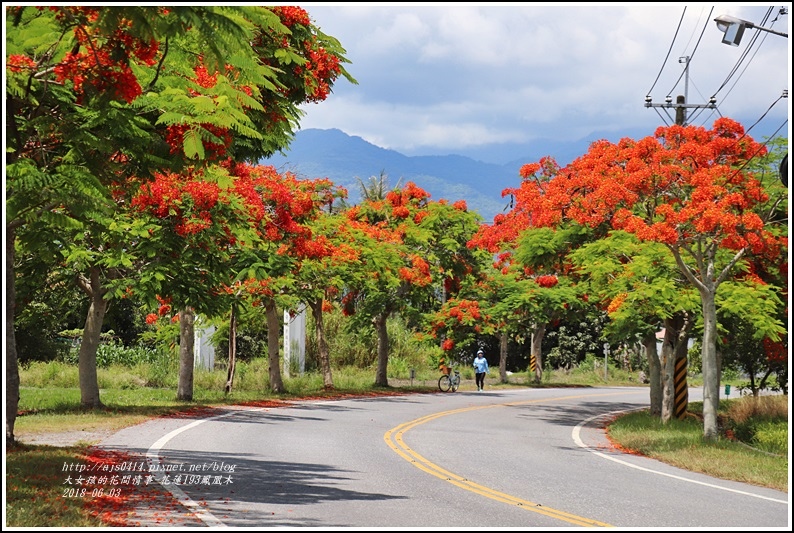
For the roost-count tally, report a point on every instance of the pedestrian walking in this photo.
(480, 369)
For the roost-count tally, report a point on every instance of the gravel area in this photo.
(65, 438)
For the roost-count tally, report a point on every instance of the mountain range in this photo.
(478, 176)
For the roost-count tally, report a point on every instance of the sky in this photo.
(438, 79)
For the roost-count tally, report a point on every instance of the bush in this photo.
(760, 421)
(112, 352)
(360, 348)
(771, 437)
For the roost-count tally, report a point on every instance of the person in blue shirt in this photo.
(480, 369)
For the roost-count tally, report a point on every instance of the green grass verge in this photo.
(680, 443)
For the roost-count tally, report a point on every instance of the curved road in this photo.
(502, 458)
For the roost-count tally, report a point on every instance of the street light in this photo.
(733, 28)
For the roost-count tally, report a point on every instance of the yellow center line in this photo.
(394, 439)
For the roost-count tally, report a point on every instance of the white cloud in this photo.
(458, 75)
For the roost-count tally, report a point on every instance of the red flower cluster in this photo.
(291, 15)
(349, 303)
(547, 280)
(17, 63)
(103, 66)
(165, 305)
(418, 273)
(616, 302)
(186, 199)
(321, 69)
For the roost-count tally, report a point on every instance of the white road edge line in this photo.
(153, 458)
(575, 434)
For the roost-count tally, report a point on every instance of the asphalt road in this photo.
(518, 458)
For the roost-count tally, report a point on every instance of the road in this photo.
(528, 458)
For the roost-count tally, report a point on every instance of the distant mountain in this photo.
(332, 154)
(477, 175)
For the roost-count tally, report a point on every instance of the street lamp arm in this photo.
(751, 25)
(733, 28)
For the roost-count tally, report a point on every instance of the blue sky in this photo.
(441, 78)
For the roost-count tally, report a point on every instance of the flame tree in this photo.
(101, 96)
(534, 273)
(687, 188)
(409, 246)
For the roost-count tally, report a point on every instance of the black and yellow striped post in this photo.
(533, 363)
(681, 396)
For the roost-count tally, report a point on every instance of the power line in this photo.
(697, 45)
(784, 95)
(743, 56)
(668, 53)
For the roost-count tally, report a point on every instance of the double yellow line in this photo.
(394, 439)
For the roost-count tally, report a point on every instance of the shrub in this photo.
(112, 352)
(761, 421)
(771, 437)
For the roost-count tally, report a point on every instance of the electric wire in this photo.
(744, 57)
(664, 121)
(755, 46)
(670, 49)
(694, 51)
(763, 145)
(779, 98)
(699, 111)
(750, 46)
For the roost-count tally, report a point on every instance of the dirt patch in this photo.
(65, 438)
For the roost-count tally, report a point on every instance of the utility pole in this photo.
(680, 387)
(681, 104)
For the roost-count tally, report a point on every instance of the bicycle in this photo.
(449, 381)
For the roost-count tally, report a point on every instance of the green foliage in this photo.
(761, 421)
(251, 334)
(758, 305)
(350, 347)
(771, 436)
(570, 343)
(114, 353)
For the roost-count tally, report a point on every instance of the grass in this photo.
(50, 399)
(759, 458)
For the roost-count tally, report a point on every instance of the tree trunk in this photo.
(503, 338)
(381, 377)
(707, 285)
(711, 371)
(186, 339)
(86, 362)
(273, 328)
(12, 364)
(655, 370)
(232, 351)
(322, 343)
(537, 341)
